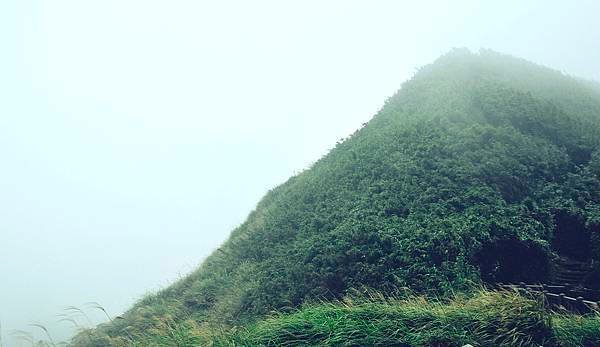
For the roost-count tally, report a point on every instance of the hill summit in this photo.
(482, 168)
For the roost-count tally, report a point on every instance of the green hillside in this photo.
(483, 167)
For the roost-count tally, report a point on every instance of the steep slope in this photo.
(482, 167)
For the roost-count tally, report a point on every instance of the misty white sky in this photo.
(134, 135)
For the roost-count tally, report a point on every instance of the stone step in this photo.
(575, 269)
(568, 279)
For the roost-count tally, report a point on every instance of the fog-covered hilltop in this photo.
(483, 167)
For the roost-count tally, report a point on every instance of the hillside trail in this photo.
(570, 272)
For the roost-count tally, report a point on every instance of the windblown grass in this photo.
(485, 319)
(482, 318)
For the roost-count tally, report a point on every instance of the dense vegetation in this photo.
(482, 167)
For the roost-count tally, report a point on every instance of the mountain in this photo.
(481, 168)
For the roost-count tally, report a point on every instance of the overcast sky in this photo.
(134, 135)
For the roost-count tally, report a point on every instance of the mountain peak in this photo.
(481, 168)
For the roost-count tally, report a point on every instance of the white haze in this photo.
(134, 135)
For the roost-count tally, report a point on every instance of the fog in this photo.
(135, 135)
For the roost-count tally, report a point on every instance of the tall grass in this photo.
(480, 318)
(484, 319)
(72, 315)
(50, 340)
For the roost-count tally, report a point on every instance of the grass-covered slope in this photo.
(482, 167)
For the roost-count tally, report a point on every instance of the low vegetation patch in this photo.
(572, 331)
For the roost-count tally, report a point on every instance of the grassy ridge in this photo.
(483, 318)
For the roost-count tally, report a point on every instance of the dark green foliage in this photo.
(513, 261)
(478, 158)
